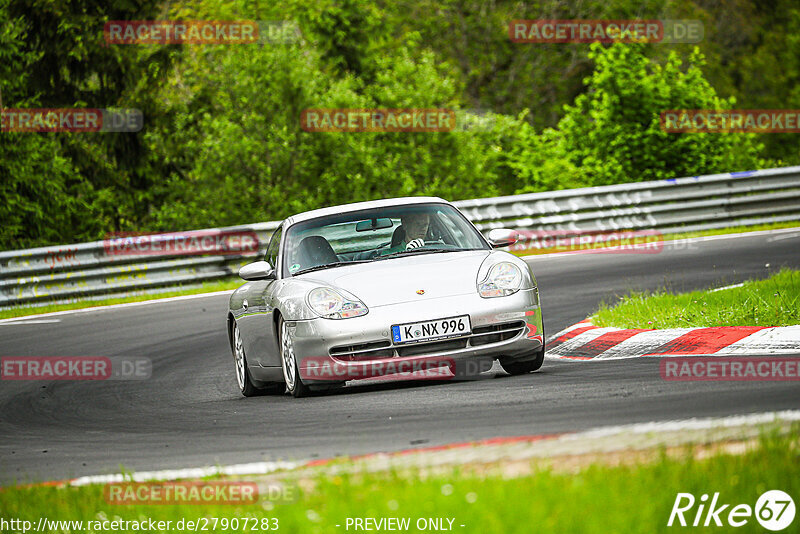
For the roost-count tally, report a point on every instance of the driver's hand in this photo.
(416, 243)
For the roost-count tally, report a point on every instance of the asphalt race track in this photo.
(190, 413)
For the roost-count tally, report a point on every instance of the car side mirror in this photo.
(258, 270)
(502, 237)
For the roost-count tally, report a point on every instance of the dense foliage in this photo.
(222, 142)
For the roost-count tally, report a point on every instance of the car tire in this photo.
(517, 367)
(291, 372)
(243, 378)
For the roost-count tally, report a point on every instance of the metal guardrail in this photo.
(87, 270)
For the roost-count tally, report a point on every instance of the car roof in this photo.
(356, 206)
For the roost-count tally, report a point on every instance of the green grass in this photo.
(595, 499)
(207, 287)
(771, 302)
(684, 235)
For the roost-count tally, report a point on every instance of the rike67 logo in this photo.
(774, 510)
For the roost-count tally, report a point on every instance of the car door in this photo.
(255, 317)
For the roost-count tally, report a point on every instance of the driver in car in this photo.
(416, 228)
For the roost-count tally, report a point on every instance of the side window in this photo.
(274, 246)
(452, 234)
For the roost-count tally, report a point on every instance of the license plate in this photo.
(428, 330)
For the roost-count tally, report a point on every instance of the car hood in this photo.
(397, 280)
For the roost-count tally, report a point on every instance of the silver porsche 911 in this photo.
(397, 287)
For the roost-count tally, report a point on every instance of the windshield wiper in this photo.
(327, 266)
(415, 251)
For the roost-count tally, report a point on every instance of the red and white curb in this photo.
(585, 341)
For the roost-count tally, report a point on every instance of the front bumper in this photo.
(361, 347)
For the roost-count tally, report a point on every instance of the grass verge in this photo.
(207, 287)
(597, 498)
(771, 302)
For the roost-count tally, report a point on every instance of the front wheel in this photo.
(291, 373)
(513, 367)
(243, 378)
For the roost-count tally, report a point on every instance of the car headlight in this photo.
(503, 279)
(330, 304)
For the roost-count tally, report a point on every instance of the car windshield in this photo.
(376, 235)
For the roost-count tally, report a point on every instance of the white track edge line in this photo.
(260, 468)
(117, 306)
(256, 468)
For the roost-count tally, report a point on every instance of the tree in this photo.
(42, 200)
(612, 132)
